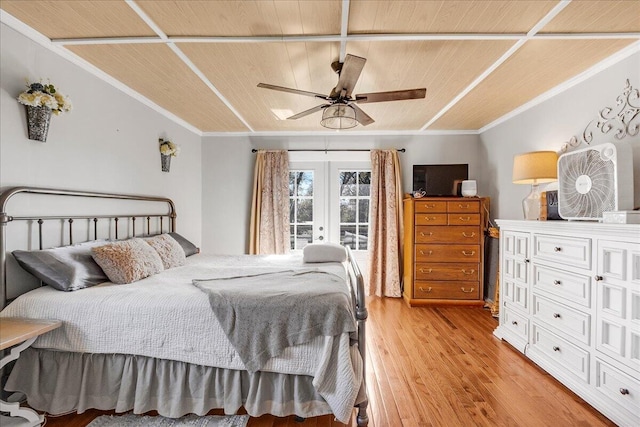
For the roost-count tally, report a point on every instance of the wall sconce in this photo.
(534, 168)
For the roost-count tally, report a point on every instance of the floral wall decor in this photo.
(42, 100)
(168, 150)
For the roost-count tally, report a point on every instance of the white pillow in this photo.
(324, 252)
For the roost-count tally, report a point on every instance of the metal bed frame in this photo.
(355, 278)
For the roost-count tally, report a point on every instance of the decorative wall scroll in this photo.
(622, 120)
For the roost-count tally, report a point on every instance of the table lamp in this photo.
(534, 168)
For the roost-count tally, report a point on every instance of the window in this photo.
(301, 208)
(354, 198)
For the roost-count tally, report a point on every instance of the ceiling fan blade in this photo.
(309, 111)
(394, 95)
(362, 117)
(296, 91)
(349, 75)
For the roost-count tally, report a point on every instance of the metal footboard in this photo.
(357, 290)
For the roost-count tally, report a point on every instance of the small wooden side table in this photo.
(20, 333)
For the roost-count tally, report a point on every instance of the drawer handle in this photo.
(428, 234)
(428, 272)
(557, 282)
(514, 323)
(464, 219)
(422, 253)
(599, 278)
(557, 249)
(467, 292)
(426, 218)
(556, 348)
(465, 234)
(465, 253)
(624, 391)
(431, 206)
(556, 315)
(468, 273)
(425, 290)
(527, 260)
(461, 206)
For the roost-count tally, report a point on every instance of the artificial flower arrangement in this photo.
(168, 148)
(39, 95)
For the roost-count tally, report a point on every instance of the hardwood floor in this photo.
(442, 367)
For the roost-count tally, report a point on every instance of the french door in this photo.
(329, 202)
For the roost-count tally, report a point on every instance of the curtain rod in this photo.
(402, 150)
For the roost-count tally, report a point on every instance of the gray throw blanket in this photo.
(262, 314)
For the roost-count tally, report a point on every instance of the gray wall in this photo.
(108, 142)
(546, 127)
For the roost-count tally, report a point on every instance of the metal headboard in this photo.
(5, 218)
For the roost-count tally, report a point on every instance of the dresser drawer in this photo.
(444, 234)
(464, 219)
(431, 219)
(447, 271)
(430, 206)
(446, 290)
(563, 355)
(468, 206)
(562, 319)
(618, 386)
(517, 324)
(572, 251)
(447, 253)
(562, 284)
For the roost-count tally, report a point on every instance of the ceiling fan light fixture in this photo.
(339, 116)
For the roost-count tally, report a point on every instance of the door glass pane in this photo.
(364, 183)
(301, 208)
(305, 184)
(355, 194)
(348, 236)
(347, 210)
(363, 210)
(305, 210)
(348, 183)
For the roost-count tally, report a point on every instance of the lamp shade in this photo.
(535, 167)
(339, 116)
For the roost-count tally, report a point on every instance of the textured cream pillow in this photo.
(170, 251)
(128, 260)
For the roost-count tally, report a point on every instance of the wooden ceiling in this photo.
(202, 60)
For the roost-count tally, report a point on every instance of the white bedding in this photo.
(166, 317)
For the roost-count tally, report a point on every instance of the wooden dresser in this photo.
(444, 250)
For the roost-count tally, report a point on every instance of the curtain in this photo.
(269, 233)
(385, 222)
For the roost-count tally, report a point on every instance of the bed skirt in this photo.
(60, 382)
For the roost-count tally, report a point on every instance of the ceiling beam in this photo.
(344, 30)
(347, 38)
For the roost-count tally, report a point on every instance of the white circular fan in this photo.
(588, 182)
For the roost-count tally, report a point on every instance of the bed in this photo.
(272, 334)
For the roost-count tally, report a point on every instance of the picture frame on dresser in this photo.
(570, 302)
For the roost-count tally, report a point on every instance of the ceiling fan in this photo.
(340, 111)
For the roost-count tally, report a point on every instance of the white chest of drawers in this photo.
(571, 303)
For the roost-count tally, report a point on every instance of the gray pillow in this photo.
(67, 268)
(189, 248)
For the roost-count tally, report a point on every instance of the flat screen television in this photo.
(440, 180)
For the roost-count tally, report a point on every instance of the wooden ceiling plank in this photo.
(597, 16)
(539, 66)
(156, 73)
(86, 19)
